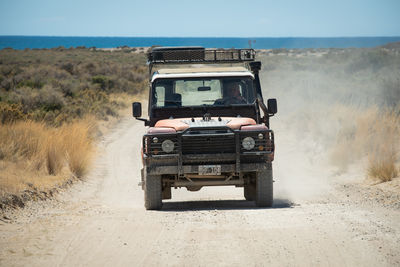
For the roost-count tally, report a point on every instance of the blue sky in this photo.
(201, 18)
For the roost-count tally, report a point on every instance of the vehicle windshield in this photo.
(202, 91)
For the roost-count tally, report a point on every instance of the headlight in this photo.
(168, 146)
(248, 143)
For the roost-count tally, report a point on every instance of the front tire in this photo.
(264, 188)
(153, 192)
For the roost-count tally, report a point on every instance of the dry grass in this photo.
(33, 154)
(372, 134)
(78, 146)
(383, 170)
(386, 146)
(45, 96)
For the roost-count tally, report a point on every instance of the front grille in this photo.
(208, 141)
(208, 144)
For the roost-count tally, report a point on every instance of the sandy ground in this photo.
(102, 221)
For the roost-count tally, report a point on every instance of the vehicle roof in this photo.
(194, 72)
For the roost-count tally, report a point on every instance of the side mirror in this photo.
(272, 106)
(136, 109)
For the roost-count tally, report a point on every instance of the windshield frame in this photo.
(250, 91)
(250, 110)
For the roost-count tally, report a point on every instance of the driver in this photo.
(232, 95)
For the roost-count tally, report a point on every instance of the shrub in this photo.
(69, 88)
(104, 82)
(6, 83)
(51, 85)
(31, 83)
(50, 99)
(11, 112)
(69, 67)
(47, 98)
(383, 168)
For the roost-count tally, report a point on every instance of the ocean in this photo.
(22, 42)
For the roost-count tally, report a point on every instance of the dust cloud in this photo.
(321, 94)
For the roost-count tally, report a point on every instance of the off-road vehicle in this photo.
(208, 122)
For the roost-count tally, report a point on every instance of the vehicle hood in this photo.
(183, 123)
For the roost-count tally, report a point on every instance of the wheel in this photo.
(264, 188)
(153, 192)
(250, 192)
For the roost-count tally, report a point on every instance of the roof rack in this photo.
(197, 54)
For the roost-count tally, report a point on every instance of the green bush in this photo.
(104, 82)
(49, 99)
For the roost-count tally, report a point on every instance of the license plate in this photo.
(210, 170)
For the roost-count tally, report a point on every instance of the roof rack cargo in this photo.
(198, 54)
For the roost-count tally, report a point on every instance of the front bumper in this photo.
(230, 163)
(192, 169)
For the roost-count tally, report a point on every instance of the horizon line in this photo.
(214, 37)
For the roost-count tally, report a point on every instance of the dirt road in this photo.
(102, 221)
